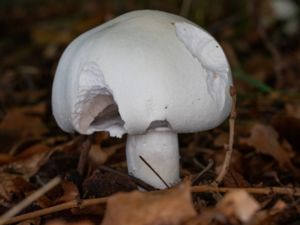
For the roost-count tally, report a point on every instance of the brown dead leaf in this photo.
(32, 150)
(30, 161)
(141, 208)
(12, 185)
(7, 186)
(235, 176)
(105, 183)
(35, 221)
(89, 210)
(278, 207)
(234, 179)
(206, 217)
(23, 122)
(238, 204)
(98, 155)
(99, 137)
(269, 216)
(63, 222)
(5, 158)
(265, 140)
(221, 139)
(70, 192)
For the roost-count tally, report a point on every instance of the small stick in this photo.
(27, 201)
(206, 169)
(57, 208)
(229, 147)
(252, 190)
(195, 189)
(153, 170)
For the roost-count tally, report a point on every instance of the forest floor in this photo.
(72, 179)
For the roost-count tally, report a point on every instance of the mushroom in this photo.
(149, 74)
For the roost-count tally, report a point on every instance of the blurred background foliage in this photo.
(260, 38)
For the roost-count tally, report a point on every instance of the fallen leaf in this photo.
(206, 217)
(30, 161)
(142, 208)
(13, 186)
(102, 183)
(35, 221)
(238, 204)
(70, 192)
(63, 222)
(5, 158)
(23, 122)
(269, 216)
(234, 179)
(7, 186)
(99, 155)
(221, 139)
(265, 140)
(100, 137)
(32, 150)
(278, 207)
(236, 161)
(90, 210)
(62, 161)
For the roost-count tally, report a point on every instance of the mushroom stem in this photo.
(159, 149)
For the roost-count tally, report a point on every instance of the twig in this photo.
(206, 169)
(229, 147)
(195, 189)
(153, 170)
(252, 190)
(27, 201)
(57, 208)
(185, 7)
(275, 176)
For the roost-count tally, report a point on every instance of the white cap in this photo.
(145, 68)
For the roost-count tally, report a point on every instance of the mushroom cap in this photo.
(142, 70)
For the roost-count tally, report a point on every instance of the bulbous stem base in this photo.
(159, 148)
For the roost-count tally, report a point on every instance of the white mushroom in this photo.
(147, 73)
